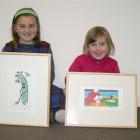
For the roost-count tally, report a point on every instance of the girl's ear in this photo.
(14, 28)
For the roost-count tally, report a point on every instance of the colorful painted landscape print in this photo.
(101, 97)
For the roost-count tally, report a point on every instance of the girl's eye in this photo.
(32, 26)
(29, 26)
(21, 26)
(93, 44)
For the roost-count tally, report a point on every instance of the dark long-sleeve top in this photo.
(41, 47)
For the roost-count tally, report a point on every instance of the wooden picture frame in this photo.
(101, 100)
(25, 89)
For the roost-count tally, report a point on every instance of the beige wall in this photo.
(64, 24)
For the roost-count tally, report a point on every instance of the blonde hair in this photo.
(93, 34)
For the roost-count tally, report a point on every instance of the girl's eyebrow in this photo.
(92, 43)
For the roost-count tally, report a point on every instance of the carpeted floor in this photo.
(60, 132)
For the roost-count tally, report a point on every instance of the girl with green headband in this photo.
(26, 38)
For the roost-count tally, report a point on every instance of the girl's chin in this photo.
(98, 58)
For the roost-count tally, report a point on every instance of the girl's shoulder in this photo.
(44, 44)
(81, 56)
(111, 59)
(44, 47)
(9, 46)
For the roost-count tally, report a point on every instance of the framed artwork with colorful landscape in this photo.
(101, 100)
(25, 89)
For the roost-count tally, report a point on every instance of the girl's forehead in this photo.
(27, 18)
(101, 38)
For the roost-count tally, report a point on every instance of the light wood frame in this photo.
(83, 111)
(25, 89)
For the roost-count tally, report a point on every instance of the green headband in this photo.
(25, 11)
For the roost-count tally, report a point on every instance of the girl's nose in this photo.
(27, 29)
(97, 47)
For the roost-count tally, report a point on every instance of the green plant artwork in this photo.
(21, 77)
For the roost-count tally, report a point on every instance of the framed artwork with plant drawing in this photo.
(25, 89)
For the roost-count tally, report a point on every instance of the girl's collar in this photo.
(98, 61)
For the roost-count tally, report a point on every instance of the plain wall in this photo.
(64, 23)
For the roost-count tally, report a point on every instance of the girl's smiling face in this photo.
(99, 49)
(26, 28)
